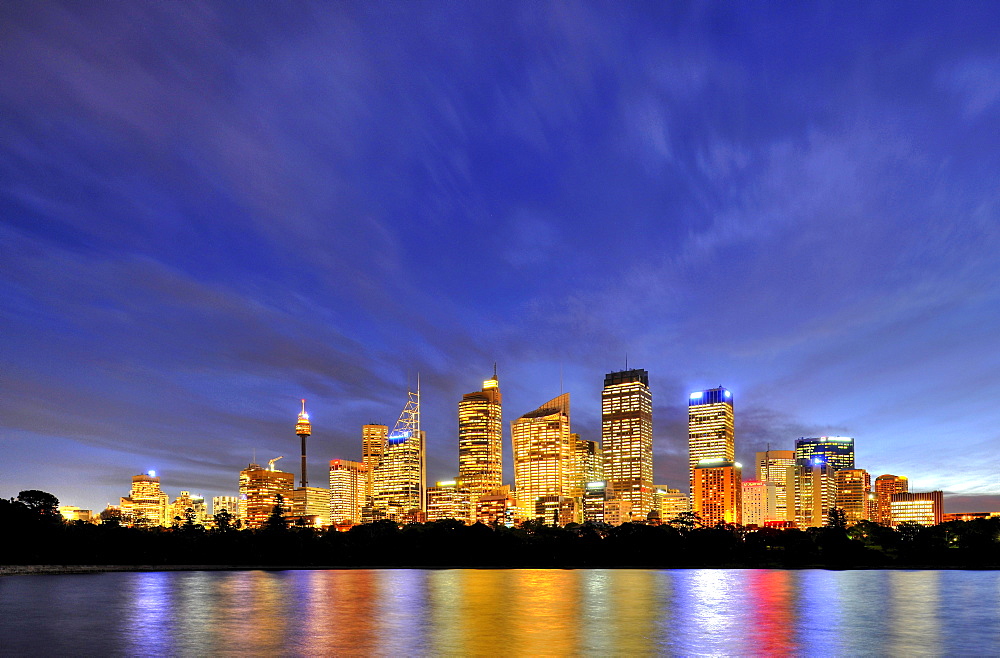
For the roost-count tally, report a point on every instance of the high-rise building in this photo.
(717, 496)
(711, 428)
(400, 477)
(543, 452)
(627, 438)
(146, 505)
(480, 439)
(815, 492)
(854, 494)
(885, 486)
(450, 499)
(925, 508)
(778, 466)
(837, 451)
(310, 506)
(259, 491)
(373, 440)
(760, 502)
(303, 428)
(587, 465)
(594, 496)
(348, 490)
(231, 504)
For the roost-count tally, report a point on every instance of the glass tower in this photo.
(627, 438)
(480, 440)
(543, 452)
(837, 451)
(711, 433)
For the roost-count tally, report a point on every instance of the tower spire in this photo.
(303, 428)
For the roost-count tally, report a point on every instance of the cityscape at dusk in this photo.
(213, 211)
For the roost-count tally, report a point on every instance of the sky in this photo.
(211, 210)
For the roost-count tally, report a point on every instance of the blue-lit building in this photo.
(711, 424)
(837, 451)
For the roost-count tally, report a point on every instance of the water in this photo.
(510, 612)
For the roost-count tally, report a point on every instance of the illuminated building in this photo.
(957, 516)
(557, 510)
(480, 439)
(594, 496)
(627, 438)
(717, 491)
(187, 502)
(73, 513)
(617, 511)
(348, 487)
(309, 506)
(711, 429)
(400, 477)
(925, 508)
(760, 502)
(230, 504)
(146, 505)
(885, 486)
(815, 492)
(837, 451)
(450, 499)
(854, 488)
(373, 440)
(303, 428)
(259, 491)
(588, 461)
(671, 502)
(498, 507)
(778, 466)
(543, 452)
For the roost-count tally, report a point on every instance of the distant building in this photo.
(558, 510)
(450, 499)
(498, 507)
(543, 452)
(815, 492)
(588, 464)
(73, 513)
(759, 501)
(837, 451)
(594, 497)
(230, 504)
(925, 508)
(854, 494)
(259, 491)
(671, 503)
(617, 511)
(627, 438)
(185, 502)
(310, 506)
(885, 486)
(348, 490)
(961, 516)
(778, 466)
(480, 439)
(146, 505)
(718, 490)
(711, 428)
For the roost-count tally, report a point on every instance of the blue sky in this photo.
(209, 211)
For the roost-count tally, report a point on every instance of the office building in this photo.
(925, 508)
(230, 504)
(543, 452)
(589, 463)
(558, 510)
(146, 506)
(185, 502)
(815, 492)
(717, 496)
(885, 486)
(837, 451)
(373, 441)
(594, 497)
(627, 438)
(480, 439)
(72, 513)
(617, 511)
(260, 489)
(309, 506)
(449, 499)
(348, 490)
(671, 503)
(778, 466)
(498, 507)
(400, 477)
(760, 503)
(711, 428)
(854, 494)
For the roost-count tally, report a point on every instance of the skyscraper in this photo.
(627, 438)
(589, 463)
(885, 486)
(348, 490)
(711, 428)
(146, 504)
(449, 500)
(717, 494)
(480, 440)
(400, 477)
(259, 491)
(815, 492)
(778, 466)
(543, 452)
(837, 451)
(373, 440)
(854, 488)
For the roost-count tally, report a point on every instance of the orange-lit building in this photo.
(543, 452)
(373, 440)
(498, 506)
(401, 476)
(146, 505)
(854, 494)
(925, 508)
(885, 486)
(717, 496)
(627, 439)
(480, 440)
(671, 503)
(348, 490)
(815, 492)
(309, 506)
(259, 491)
(711, 428)
(778, 466)
(450, 499)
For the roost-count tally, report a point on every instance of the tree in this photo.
(277, 520)
(837, 518)
(41, 503)
(111, 516)
(223, 521)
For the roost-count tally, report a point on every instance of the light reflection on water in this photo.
(510, 612)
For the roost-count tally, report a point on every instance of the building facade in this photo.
(627, 438)
(711, 428)
(400, 477)
(925, 508)
(310, 506)
(837, 451)
(480, 439)
(854, 494)
(778, 466)
(146, 505)
(373, 440)
(450, 499)
(543, 452)
(348, 491)
(259, 491)
(718, 491)
(760, 502)
(815, 492)
(885, 486)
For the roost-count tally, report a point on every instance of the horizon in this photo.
(211, 212)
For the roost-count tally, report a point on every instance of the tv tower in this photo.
(303, 428)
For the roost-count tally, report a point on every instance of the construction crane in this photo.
(270, 463)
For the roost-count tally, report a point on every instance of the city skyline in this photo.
(211, 213)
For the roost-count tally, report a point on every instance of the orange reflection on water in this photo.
(772, 595)
(339, 612)
(544, 613)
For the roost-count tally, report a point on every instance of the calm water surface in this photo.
(510, 612)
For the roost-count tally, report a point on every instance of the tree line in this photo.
(37, 534)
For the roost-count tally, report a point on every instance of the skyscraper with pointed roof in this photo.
(480, 440)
